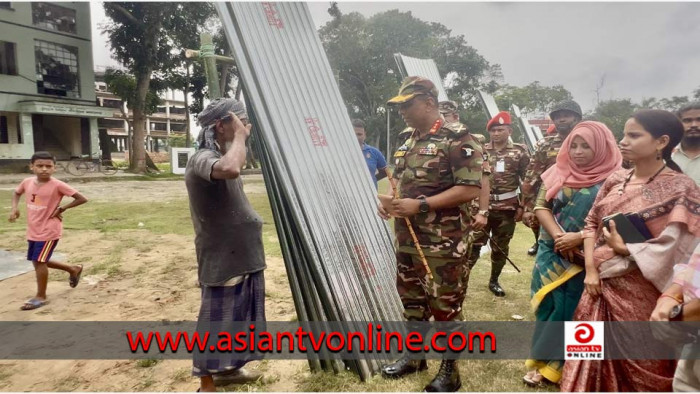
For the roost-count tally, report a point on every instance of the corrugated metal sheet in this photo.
(339, 253)
(410, 66)
(531, 133)
(488, 103)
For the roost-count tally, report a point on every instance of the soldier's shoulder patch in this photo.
(455, 127)
(405, 133)
(470, 150)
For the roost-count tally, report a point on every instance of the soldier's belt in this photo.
(504, 196)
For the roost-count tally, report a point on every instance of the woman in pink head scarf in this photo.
(588, 156)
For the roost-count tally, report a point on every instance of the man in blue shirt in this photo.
(376, 163)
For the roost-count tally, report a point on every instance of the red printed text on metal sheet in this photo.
(314, 127)
(273, 18)
(366, 264)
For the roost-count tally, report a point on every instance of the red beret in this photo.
(501, 118)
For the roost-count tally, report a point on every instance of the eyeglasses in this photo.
(406, 105)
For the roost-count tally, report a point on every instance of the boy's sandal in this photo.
(33, 304)
(74, 280)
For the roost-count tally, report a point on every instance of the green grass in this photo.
(119, 221)
(147, 363)
(172, 217)
(182, 375)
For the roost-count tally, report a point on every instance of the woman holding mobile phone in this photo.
(624, 281)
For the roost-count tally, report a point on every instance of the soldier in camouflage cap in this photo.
(449, 111)
(565, 115)
(437, 168)
(508, 162)
(412, 87)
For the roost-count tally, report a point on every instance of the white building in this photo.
(168, 120)
(47, 94)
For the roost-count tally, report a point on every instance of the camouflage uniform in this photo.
(504, 178)
(544, 157)
(445, 157)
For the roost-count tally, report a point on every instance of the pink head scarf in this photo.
(606, 160)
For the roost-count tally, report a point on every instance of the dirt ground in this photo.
(152, 281)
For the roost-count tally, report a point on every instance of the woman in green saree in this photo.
(587, 157)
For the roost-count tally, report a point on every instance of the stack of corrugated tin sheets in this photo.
(339, 254)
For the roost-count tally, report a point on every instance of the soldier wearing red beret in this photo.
(508, 162)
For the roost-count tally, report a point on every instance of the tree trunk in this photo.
(188, 138)
(138, 157)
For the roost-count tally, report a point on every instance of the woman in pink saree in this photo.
(623, 281)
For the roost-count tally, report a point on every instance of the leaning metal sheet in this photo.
(529, 134)
(410, 66)
(314, 155)
(488, 103)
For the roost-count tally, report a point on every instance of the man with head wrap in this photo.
(228, 235)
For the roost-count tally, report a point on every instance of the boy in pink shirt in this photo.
(44, 222)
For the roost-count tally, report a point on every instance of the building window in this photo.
(4, 131)
(177, 127)
(117, 104)
(56, 69)
(157, 126)
(5, 4)
(9, 124)
(54, 17)
(104, 123)
(8, 58)
(177, 110)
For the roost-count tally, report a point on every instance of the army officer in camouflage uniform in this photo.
(508, 162)
(437, 168)
(565, 115)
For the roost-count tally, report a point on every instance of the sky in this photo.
(637, 50)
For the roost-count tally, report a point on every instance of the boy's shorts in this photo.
(41, 251)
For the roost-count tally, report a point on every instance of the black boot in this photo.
(533, 250)
(447, 378)
(496, 288)
(403, 366)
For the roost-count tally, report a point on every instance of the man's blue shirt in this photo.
(375, 161)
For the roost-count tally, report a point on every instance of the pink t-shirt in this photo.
(42, 200)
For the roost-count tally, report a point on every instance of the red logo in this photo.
(584, 333)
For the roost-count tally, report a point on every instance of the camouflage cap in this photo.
(447, 107)
(412, 87)
(567, 105)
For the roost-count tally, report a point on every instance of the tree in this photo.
(614, 113)
(361, 53)
(141, 37)
(533, 98)
(123, 85)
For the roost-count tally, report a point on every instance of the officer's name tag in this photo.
(501, 166)
(400, 153)
(552, 153)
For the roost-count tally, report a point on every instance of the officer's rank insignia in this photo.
(429, 150)
(401, 152)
